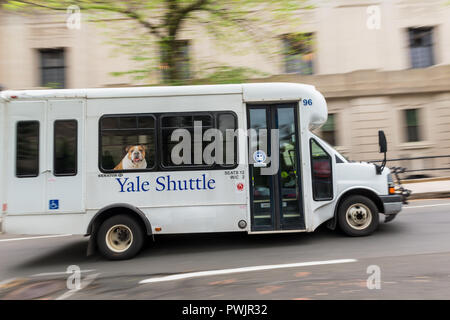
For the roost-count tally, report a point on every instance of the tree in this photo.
(164, 19)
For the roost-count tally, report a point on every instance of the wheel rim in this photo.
(119, 238)
(358, 216)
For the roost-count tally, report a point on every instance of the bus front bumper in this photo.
(392, 205)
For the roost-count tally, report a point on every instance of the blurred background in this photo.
(380, 64)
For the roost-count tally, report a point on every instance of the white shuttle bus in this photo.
(100, 162)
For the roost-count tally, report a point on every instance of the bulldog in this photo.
(134, 158)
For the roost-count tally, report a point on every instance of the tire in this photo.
(358, 216)
(120, 237)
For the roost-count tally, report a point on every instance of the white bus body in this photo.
(2, 158)
(300, 197)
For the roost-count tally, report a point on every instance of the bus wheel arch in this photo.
(120, 209)
(332, 224)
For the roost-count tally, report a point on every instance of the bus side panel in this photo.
(46, 224)
(196, 219)
(312, 117)
(217, 202)
(2, 160)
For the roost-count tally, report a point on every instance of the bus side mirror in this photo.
(383, 149)
(382, 141)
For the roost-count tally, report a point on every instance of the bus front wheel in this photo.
(120, 237)
(358, 216)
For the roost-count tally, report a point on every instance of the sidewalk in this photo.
(428, 189)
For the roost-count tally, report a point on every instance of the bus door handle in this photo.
(45, 171)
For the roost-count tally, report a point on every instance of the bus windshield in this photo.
(328, 145)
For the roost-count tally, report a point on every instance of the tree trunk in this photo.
(170, 60)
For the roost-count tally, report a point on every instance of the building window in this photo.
(421, 47)
(65, 148)
(182, 61)
(298, 53)
(127, 142)
(53, 70)
(27, 149)
(329, 130)
(412, 125)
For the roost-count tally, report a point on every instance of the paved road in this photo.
(412, 254)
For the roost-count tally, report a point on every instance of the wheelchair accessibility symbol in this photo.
(53, 204)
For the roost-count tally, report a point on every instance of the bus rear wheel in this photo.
(120, 237)
(358, 216)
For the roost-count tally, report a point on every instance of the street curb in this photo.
(429, 195)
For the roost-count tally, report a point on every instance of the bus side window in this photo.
(27, 149)
(65, 148)
(227, 124)
(127, 142)
(322, 177)
(170, 123)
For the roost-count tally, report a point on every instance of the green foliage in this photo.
(298, 42)
(158, 23)
(53, 85)
(227, 74)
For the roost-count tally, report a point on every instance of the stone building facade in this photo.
(380, 64)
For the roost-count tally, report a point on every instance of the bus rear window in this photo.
(65, 148)
(27, 149)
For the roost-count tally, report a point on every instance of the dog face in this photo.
(136, 154)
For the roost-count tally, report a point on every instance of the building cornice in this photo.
(362, 83)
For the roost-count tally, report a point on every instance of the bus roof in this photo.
(252, 92)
